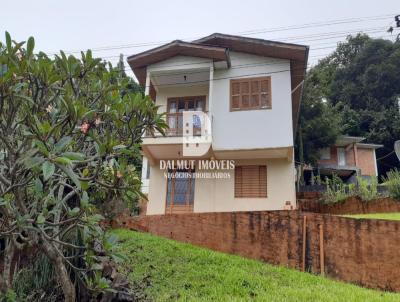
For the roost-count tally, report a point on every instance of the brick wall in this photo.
(366, 161)
(352, 205)
(359, 251)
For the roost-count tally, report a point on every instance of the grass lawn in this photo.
(385, 216)
(177, 271)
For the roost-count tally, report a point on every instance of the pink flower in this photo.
(85, 127)
(119, 174)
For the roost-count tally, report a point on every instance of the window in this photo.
(325, 153)
(251, 181)
(176, 106)
(251, 93)
(148, 170)
(180, 191)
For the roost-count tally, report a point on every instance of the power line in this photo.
(320, 24)
(255, 64)
(341, 34)
(252, 32)
(390, 153)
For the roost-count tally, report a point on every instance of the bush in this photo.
(392, 182)
(337, 190)
(367, 189)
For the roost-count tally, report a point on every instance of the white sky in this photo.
(75, 25)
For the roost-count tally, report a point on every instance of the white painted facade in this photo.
(253, 129)
(249, 137)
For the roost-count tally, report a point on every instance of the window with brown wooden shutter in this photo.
(251, 93)
(251, 181)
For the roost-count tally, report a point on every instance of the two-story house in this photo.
(349, 157)
(250, 90)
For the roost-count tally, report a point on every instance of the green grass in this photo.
(176, 271)
(385, 216)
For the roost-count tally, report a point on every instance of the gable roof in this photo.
(217, 46)
(140, 61)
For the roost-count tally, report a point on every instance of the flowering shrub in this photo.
(67, 136)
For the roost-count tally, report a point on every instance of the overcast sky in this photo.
(75, 25)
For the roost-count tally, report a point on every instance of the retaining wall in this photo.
(352, 205)
(364, 252)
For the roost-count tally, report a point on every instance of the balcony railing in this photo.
(175, 124)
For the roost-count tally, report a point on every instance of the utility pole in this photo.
(121, 65)
(301, 156)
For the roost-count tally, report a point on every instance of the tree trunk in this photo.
(63, 277)
(7, 265)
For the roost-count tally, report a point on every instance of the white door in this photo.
(341, 156)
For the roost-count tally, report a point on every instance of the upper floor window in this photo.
(251, 93)
(325, 153)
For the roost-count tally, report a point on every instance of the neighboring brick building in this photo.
(348, 158)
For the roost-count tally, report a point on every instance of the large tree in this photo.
(68, 130)
(359, 83)
(368, 90)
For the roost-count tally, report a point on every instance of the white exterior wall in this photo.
(239, 130)
(217, 195)
(179, 63)
(253, 129)
(145, 180)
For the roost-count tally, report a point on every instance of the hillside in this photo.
(172, 271)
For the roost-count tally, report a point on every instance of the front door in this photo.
(341, 156)
(180, 191)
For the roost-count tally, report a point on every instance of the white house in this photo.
(250, 90)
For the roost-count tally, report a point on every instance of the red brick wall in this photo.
(350, 158)
(352, 205)
(333, 160)
(359, 251)
(366, 161)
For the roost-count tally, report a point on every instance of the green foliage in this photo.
(383, 216)
(319, 122)
(32, 282)
(8, 296)
(360, 80)
(392, 182)
(174, 271)
(337, 190)
(70, 129)
(367, 189)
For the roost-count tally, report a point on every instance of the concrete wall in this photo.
(180, 62)
(364, 252)
(217, 195)
(253, 128)
(270, 128)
